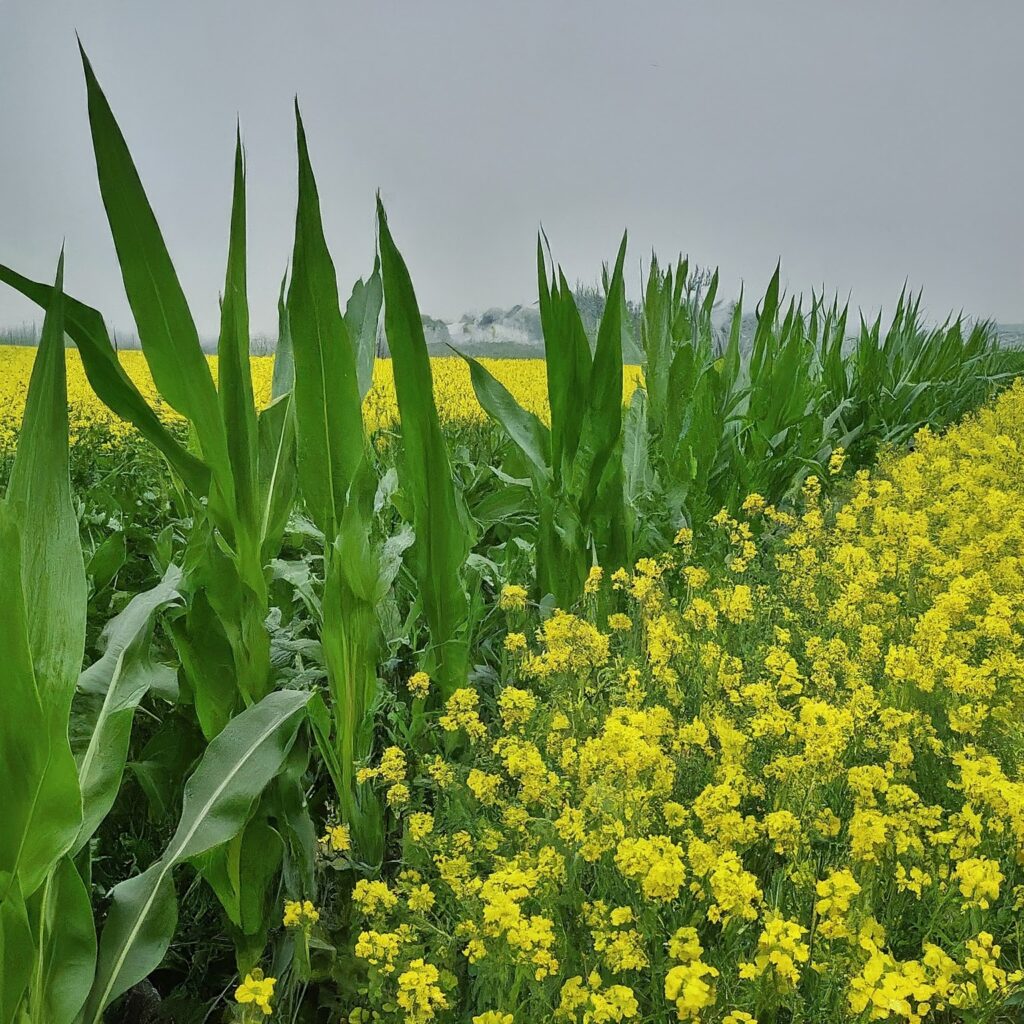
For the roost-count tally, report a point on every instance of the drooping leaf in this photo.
(522, 426)
(109, 691)
(106, 375)
(236, 768)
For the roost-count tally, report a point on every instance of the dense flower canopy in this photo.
(785, 775)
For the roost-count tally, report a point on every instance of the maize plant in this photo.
(64, 740)
(575, 467)
(333, 362)
(236, 476)
(337, 483)
(723, 420)
(692, 389)
(896, 381)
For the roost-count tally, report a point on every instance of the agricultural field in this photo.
(413, 690)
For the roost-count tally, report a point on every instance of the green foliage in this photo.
(238, 765)
(575, 468)
(727, 416)
(280, 566)
(443, 534)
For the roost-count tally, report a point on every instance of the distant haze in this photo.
(864, 143)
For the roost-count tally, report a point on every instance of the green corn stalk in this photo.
(692, 387)
(333, 359)
(237, 470)
(575, 467)
(724, 423)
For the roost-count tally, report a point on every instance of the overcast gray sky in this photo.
(864, 143)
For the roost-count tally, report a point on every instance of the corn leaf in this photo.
(525, 428)
(235, 376)
(238, 765)
(67, 953)
(276, 471)
(327, 406)
(86, 328)
(362, 316)
(23, 731)
(109, 691)
(567, 354)
(283, 377)
(51, 551)
(17, 951)
(601, 428)
(166, 329)
(42, 640)
(442, 538)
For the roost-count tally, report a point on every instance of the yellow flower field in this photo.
(783, 784)
(525, 378)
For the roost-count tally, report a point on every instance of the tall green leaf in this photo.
(601, 429)
(568, 359)
(442, 538)
(166, 329)
(235, 375)
(327, 404)
(41, 640)
(51, 551)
